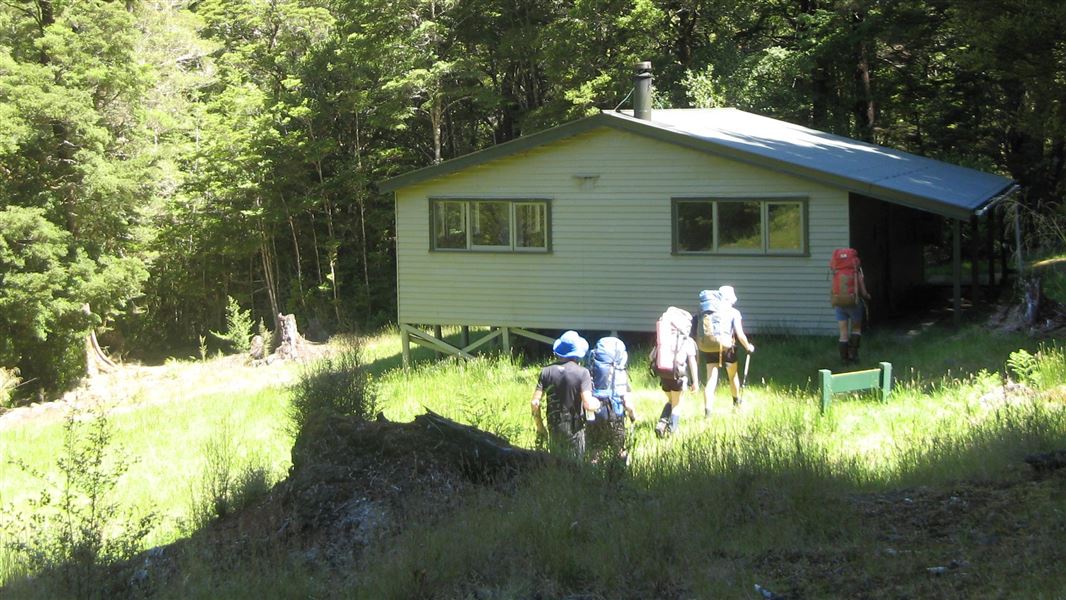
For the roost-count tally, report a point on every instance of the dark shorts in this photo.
(727, 357)
(565, 440)
(674, 385)
(607, 436)
(852, 313)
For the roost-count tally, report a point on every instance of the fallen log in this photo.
(480, 454)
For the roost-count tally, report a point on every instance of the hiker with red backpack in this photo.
(673, 360)
(718, 328)
(568, 387)
(848, 296)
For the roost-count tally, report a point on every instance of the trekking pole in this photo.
(744, 381)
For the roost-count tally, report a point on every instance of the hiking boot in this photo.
(845, 354)
(853, 348)
(706, 413)
(662, 428)
(736, 402)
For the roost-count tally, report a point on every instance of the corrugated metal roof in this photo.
(869, 169)
(877, 171)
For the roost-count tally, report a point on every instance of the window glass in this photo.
(695, 226)
(491, 225)
(740, 225)
(530, 218)
(785, 230)
(449, 224)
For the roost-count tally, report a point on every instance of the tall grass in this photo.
(706, 513)
(698, 510)
(167, 439)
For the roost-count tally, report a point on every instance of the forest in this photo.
(158, 159)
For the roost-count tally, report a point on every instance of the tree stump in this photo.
(257, 350)
(291, 343)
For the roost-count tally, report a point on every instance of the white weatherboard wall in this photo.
(611, 266)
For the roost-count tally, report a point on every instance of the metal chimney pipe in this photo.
(642, 90)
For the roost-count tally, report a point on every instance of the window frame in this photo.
(764, 212)
(469, 204)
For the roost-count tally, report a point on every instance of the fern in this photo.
(1023, 365)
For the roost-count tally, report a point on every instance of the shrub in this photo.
(336, 384)
(9, 380)
(75, 528)
(226, 485)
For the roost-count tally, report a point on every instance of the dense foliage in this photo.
(168, 155)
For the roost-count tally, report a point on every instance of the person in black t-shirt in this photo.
(568, 387)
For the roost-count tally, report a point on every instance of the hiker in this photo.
(719, 328)
(848, 297)
(568, 386)
(673, 360)
(610, 385)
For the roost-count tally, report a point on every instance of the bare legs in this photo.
(732, 373)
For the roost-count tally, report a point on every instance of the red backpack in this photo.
(845, 268)
(671, 330)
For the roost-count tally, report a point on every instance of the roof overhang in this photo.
(897, 188)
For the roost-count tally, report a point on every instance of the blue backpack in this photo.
(610, 380)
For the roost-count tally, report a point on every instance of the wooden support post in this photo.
(990, 247)
(464, 336)
(886, 380)
(405, 345)
(505, 340)
(956, 271)
(975, 268)
(1001, 230)
(437, 333)
(434, 343)
(1018, 241)
(826, 377)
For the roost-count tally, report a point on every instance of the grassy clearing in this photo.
(164, 432)
(860, 501)
(704, 514)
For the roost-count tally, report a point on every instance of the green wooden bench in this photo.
(871, 379)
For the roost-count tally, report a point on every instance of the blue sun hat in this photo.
(709, 300)
(570, 345)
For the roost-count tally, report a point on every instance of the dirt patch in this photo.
(131, 387)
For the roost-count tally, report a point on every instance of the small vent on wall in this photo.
(586, 181)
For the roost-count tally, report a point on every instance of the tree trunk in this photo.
(268, 280)
(96, 361)
(865, 109)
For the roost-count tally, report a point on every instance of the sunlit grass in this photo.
(695, 510)
(164, 441)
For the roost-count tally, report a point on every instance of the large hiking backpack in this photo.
(671, 330)
(845, 269)
(715, 331)
(610, 380)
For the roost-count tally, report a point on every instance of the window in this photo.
(740, 226)
(493, 225)
(449, 225)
